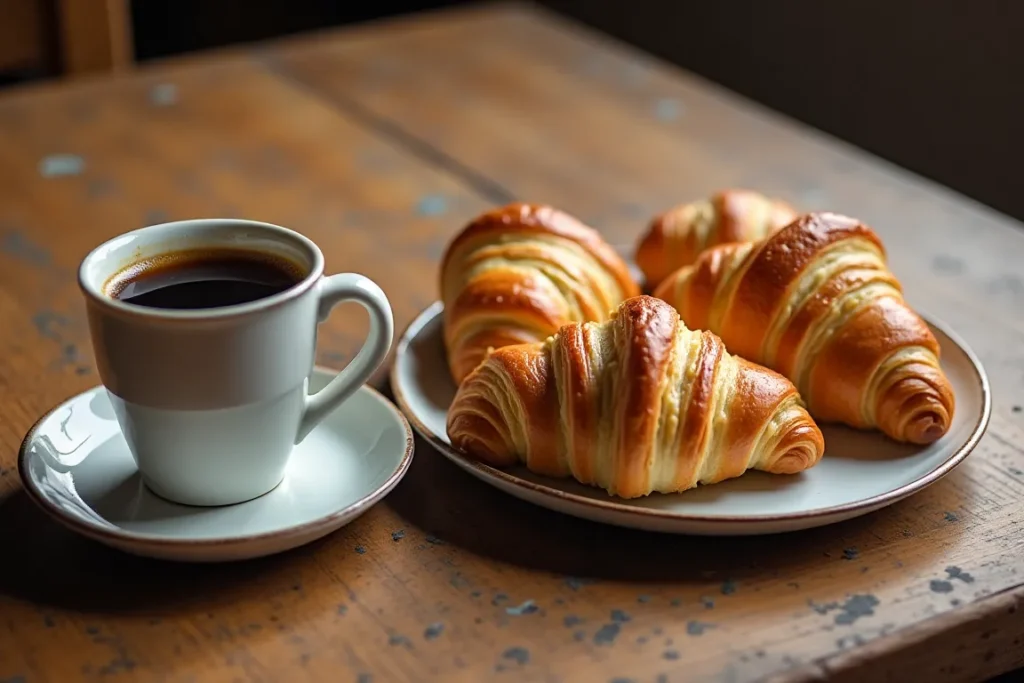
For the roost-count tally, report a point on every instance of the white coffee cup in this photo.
(212, 401)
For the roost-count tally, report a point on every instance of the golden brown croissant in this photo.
(518, 273)
(676, 237)
(817, 302)
(634, 405)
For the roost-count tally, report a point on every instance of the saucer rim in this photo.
(614, 506)
(120, 535)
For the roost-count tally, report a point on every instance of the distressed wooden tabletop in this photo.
(379, 143)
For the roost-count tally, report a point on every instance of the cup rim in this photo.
(97, 296)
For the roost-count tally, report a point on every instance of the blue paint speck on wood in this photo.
(950, 517)
(18, 246)
(527, 607)
(643, 598)
(957, 573)
(855, 607)
(668, 109)
(365, 678)
(620, 616)
(431, 205)
(670, 654)
(397, 535)
(163, 94)
(68, 354)
(433, 631)
(696, 628)
(397, 639)
(728, 587)
(17, 678)
(519, 655)
(938, 586)
(607, 634)
(361, 550)
(570, 620)
(60, 165)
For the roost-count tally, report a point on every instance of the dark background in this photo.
(936, 86)
(167, 27)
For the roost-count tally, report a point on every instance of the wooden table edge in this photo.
(938, 634)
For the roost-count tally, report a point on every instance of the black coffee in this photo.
(207, 278)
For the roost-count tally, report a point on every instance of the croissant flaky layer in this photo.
(634, 405)
(675, 238)
(817, 302)
(518, 273)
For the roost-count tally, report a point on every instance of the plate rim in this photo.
(119, 535)
(435, 309)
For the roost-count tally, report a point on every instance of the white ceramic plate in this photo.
(75, 464)
(859, 473)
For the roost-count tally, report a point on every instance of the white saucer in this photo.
(859, 473)
(75, 464)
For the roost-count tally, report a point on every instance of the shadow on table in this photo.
(46, 564)
(443, 500)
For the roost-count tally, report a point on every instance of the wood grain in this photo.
(379, 143)
(548, 112)
(84, 162)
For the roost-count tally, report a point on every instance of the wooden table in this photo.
(380, 143)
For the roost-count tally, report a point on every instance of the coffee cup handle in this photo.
(335, 289)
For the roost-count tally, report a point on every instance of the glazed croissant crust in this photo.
(634, 405)
(816, 302)
(675, 238)
(517, 274)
